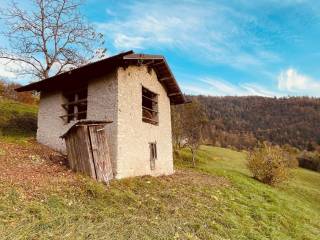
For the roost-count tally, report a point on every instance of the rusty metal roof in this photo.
(92, 70)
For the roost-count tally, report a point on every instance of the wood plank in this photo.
(164, 79)
(74, 102)
(158, 63)
(149, 119)
(71, 114)
(89, 164)
(174, 94)
(79, 151)
(100, 152)
(134, 56)
(149, 109)
(155, 101)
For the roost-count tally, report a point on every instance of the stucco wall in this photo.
(50, 125)
(102, 105)
(134, 135)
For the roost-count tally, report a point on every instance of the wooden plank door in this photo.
(100, 152)
(79, 151)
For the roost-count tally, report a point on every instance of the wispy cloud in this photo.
(218, 87)
(221, 87)
(205, 31)
(292, 81)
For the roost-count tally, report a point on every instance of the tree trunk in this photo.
(193, 157)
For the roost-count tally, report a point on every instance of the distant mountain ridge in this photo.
(292, 120)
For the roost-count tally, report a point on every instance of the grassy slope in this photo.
(194, 207)
(15, 119)
(290, 211)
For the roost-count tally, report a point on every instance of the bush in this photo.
(25, 124)
(291, 154)
(310, 160)
(268, 164)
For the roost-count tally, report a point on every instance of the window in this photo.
(76, 105)
(149, 106)
(153, 155)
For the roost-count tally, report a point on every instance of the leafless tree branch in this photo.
(49, 39)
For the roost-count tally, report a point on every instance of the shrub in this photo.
(268, 164)
(310, 160)
(291, 154)
(25, 123)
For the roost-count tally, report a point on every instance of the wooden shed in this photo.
(88, 150)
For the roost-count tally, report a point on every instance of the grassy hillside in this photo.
(17, 119)
(41, 199)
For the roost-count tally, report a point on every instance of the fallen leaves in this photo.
(33, 167)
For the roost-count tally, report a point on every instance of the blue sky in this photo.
(243, 47)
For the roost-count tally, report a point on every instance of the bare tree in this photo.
(177, 126)
(188, 122)
(50, 38)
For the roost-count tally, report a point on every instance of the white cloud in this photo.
(196, 90)
(209, 32)
(218, 87)
(222, 88)
(4, 73)
(257, 90)
(11, 71)
(292, 81)
(8, 69)
(123, 41)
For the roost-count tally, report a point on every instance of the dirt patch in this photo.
(33, 167)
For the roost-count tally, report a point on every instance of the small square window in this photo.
(153, 155)
(149, 106)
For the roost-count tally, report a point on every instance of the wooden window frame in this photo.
(150, 114)
(76, 104)
(153, 155)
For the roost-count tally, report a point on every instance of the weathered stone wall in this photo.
(134, 135)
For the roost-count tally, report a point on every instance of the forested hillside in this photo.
(241, 121)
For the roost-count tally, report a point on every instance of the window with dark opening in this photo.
(149, 106)
(76, 105)
(153, 155)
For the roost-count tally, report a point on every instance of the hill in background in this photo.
(242, 121)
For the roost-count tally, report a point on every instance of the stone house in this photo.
(133, 92)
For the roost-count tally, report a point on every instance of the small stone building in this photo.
(133, 92)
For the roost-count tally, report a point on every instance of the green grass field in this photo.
(217, 200)
(17, 120)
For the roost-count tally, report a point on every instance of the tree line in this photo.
(7, 90)
(242, 122)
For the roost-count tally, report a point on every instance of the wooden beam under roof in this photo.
(174, 94)
(142, 56)
(164, 79)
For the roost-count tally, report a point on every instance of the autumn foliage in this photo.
(268, 164)
(7, 90)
